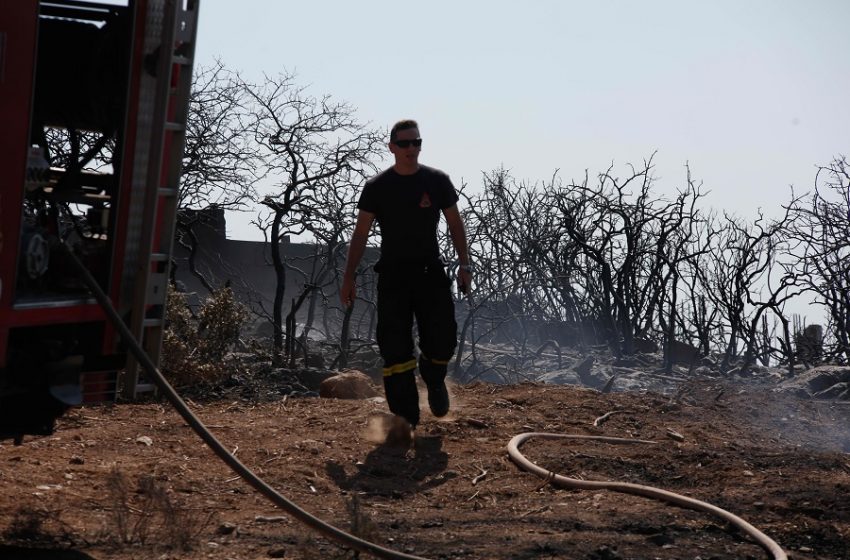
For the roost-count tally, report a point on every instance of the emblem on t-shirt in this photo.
(425, 202)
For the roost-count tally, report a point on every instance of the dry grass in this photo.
(37, 526)
(360, 525)
(149, 514)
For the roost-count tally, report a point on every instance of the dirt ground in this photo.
(127, 481)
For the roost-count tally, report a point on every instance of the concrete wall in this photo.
(247, 267)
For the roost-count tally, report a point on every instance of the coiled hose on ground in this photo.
(357, 543)
(637, 489)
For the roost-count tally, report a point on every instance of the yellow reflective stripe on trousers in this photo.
(435, 362)
(398, 368)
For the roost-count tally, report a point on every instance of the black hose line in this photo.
(195, 423)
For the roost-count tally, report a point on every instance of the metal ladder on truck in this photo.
(171, 105)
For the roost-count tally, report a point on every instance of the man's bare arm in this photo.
(355, 252)
(457, 231)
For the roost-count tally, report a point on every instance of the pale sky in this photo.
(752, 94)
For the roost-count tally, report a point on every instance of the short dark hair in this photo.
(402, 125)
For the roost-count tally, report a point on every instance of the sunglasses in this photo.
(407, 143)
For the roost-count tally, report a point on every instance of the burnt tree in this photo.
(305, 141)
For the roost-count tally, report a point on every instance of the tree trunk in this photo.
(290, 324)
(191, 260)
(467, 323)
(280, 289)
(345, 336)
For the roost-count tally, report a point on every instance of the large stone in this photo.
(821, 378)
(351, 384)
(819, 381)
(839, 391)
(587, 376)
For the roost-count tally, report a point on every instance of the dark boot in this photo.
(434, 376)
(402, 395)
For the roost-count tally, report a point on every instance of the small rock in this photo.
(76, 460)
(277, 553)
(270, 519)
(605, 553)
(144, 440)
(225, 529)
(672, 434)
(560, 377)
(660, 539)
(584, 367)
(315, 361)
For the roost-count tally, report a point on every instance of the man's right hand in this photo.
(347, 291)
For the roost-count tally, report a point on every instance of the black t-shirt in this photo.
(407, 208)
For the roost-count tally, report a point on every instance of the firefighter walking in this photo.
(406, 200)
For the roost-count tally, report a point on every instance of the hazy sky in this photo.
(752, 94)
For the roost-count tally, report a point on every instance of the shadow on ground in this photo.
(22, 553)
(390, 471)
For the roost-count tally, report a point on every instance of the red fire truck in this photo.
(93, 102)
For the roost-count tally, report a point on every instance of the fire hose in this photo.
(353, 541)
(636, 489)
(213, 443)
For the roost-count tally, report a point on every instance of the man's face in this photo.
(407, 153)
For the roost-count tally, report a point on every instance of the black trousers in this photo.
(409, 293)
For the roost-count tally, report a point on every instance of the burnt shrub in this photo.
(195, 347)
